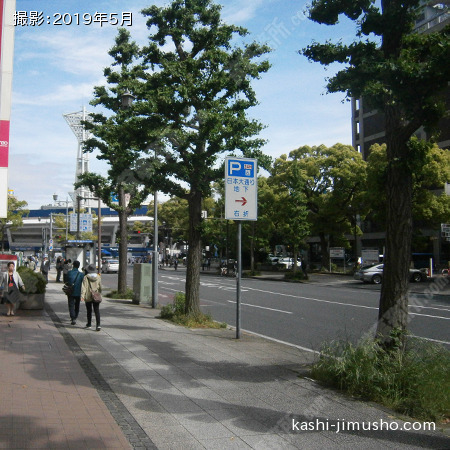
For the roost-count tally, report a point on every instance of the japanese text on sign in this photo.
(38, 18)
(240, 189)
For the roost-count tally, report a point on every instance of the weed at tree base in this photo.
(175, 313)
(413, 381)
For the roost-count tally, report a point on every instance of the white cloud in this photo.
(65, 93)
(71, 51)
(238, 11)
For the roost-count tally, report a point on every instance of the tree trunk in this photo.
(294, 258)
(393, 310)
(324, 250)
(123, 244)
(192, 306)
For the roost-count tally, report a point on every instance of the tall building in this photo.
(368, 124)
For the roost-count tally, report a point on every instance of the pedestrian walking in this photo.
(32, 264)
(59, 268)
(304, 267)
(45, 267)
(11, 283)
(67, 265)
(75, 279)
(91, 284)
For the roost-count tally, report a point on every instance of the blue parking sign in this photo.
(241, 190)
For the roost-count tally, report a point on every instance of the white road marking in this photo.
(263, 307)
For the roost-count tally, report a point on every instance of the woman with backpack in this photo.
(90, 294)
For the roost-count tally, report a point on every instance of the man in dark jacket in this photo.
(45, 267)
(75, 278)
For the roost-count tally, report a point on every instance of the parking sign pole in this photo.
(238, 280)
(241, 192)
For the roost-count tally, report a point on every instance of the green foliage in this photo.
(431, 170)
(288, 178)
(412, 381)
(34, 281)
(295, 276)
(175, 312)
(129, 294)
(330, 183)
(250, 273)
(13, 220)
(408, 69)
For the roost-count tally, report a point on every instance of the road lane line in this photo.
(262, 307)
(327, 301)
(339, 303)
(429, 315)
(432, 340)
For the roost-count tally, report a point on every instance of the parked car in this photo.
(273, 259)
(110, 265)
(287, 263)
(374, 274)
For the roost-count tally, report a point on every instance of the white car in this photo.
(110, 265)
(287, 263)
(374, 274)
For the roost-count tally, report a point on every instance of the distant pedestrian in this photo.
(10, 285)
(59, 268)
(175, 263)
(32, 264)
(67, 265)
(45, 267)
(304, 267)
(91, 283)
(75, 278)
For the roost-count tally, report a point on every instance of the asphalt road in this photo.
(306, 314)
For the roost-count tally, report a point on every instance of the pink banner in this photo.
(4, 142)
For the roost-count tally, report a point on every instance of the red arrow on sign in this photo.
(243, 201)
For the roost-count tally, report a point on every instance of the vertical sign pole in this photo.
(155, 256)
(99, 237)
(241, 190)
(238, 280)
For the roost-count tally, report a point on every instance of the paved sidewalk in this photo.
(168, 387)
(46, 399)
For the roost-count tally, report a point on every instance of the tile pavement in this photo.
(46, 399)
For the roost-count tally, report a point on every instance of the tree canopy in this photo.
(197, 91)
(13, 220)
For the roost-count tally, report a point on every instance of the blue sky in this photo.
(57, 66)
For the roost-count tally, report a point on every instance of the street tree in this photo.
(289, 180)
(111, 136)
(430, 204)
(13, 220)
(403, 74)
(334, 180)
(199, 88)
